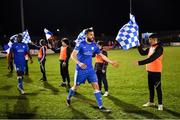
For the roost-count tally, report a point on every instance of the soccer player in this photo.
(101, 67)
(42, 58)
(17, 52)
(154, 68)
(82, 56)
(64, 61)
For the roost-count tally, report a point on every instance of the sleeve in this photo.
(142, 51)
(78, 47)
(105, 63)
(68, 52)
(97, 50)
(158, 52)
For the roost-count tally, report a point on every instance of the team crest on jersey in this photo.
(92, 48)
(23, 46)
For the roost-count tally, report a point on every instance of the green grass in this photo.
(127, 88)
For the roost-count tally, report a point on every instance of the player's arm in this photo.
(143, 51)
(104, 67)
(74, 58)
(158, 52)
(113, 63)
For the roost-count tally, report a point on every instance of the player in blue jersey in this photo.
(82, 55)
(17, 52)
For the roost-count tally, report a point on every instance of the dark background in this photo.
(71, 16)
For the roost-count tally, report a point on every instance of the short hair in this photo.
(88, 30)
(42, 42)
(65, 40)
(101, 43)
(154, 35)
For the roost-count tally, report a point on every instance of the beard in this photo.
(90, 40)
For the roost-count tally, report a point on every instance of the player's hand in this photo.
(82, 65)
(135, 63)
(103, 71)
(64, 64)
(115, 64)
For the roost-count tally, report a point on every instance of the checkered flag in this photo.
(128, 35)
(26, 37)
(81, 37)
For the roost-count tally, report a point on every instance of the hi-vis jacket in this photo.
(154, 60)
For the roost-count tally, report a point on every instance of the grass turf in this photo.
(127, 88)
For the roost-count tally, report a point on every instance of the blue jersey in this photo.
(85, 53)
(19, 51)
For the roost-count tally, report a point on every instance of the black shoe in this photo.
(69, 86)
(68, 102)
(63, 84)
(44, 79)
(105, 110)
(41, 78)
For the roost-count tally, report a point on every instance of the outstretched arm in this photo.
(113, 63)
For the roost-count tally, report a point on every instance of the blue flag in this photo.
(128, 35)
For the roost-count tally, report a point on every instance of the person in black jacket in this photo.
(101, 68)
(154, 68)
(64, 62)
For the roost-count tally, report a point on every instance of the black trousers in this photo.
(102, 79)
(64, 71)
(43, 70)
(154, 82)
(11, 66)
(27, 69)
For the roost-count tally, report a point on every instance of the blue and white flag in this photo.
(82, 36)
(48, 34)
(128, 35)
(26, 37)
(7, 47)
(14, 38)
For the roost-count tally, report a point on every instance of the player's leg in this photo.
(151, 90)
(105, 82)
(78, 79)
(63, 84)
(67, 75)
(44, 70)
(159, 91)
(11, 66)
(99, 80)
(71, 93)
(20, 72)
(27, 69)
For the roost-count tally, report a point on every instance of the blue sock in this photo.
(71, 93)
(20, 83)
(97, 94)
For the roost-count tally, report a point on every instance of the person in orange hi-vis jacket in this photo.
(154, 68)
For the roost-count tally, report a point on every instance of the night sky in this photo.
(71, 16)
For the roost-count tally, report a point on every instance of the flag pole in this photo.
(130, 6)
(22, 16)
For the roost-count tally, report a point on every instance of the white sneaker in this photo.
(106, 94)
(20, 90)
(160, 107)
(149, 104)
